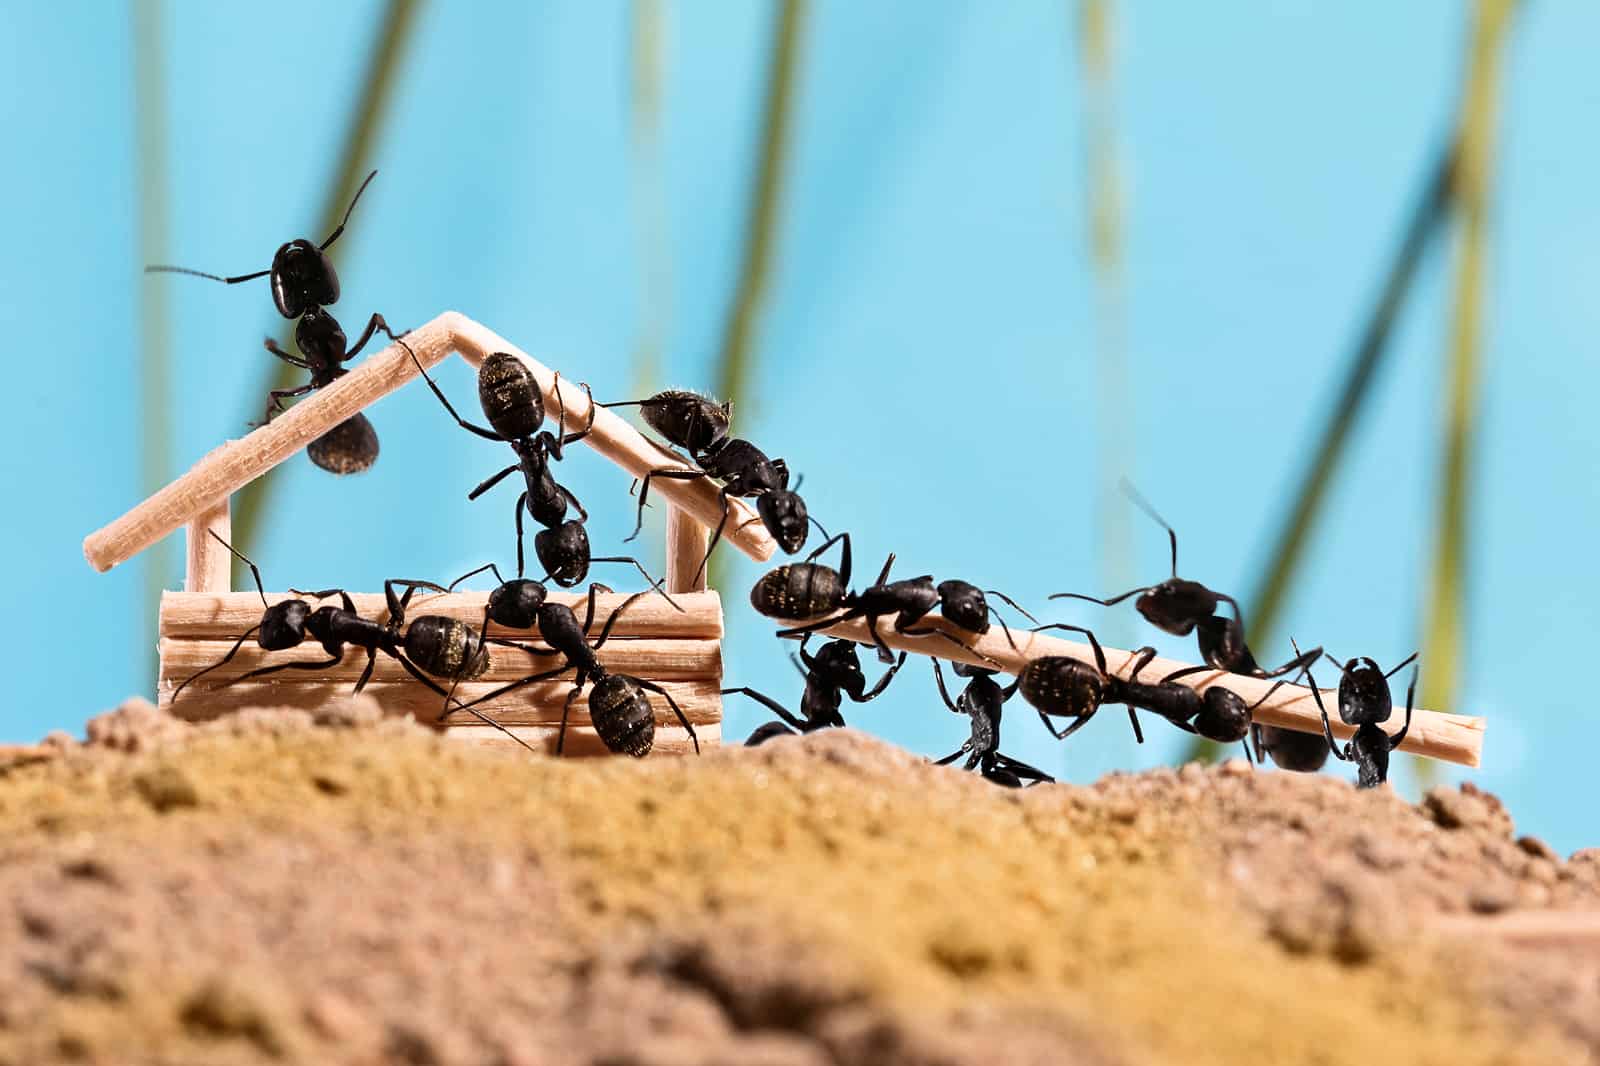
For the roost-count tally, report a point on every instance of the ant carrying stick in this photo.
(833, 673)
(303, 284)
(981, 701)
(1179, 606)
(1365, 702)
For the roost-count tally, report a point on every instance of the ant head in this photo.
(1364, 693)
(1176, 605)
(283, 625)
(962, 669)
(783, 512)
(516, 603)
(687, 419)
(510, 397)
(302, 277)
(1225, 717)
(564, 552)
(838, 664)
(964, 606)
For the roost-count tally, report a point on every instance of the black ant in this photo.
(1179, 606)
(981, 701)
(1064, 687)
(1365, 702)
(962, 604)
(618, 707)
(303, 284)
(1290, 749)
(688, 420)
(830, 675)
(431, 644)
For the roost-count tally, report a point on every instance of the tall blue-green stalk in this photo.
(155, 308)
(366, 123)
(736, 360)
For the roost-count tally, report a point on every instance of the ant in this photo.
(618, 707)
(1064, 687)
(1179, 606)
(981, 702)
(303, 284)
(688, 420)
(1365, 702)
(834, 672)
(431, 644)
(911, 599)
(1290, 749)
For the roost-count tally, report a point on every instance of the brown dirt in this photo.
(270, 887)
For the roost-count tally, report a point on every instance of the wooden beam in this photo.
(1453, 738)
(686, 548)
(226, 615)
(210, 565)
(237, 463)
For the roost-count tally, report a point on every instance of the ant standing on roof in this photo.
(303, 284)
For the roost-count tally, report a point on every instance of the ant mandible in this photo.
(303, 284)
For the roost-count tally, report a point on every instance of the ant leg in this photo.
(716, 534)
(366, 675)
(1071, 729)
(1327, 726)
(540, 653)
(823, 623)
(1141, 659)
(272, 346)
(325, 245)
(884, 654)
(954, 755)
(1299, 662)
(322, 594)
(582, 514)
(275, 400)
(1411, 695)
(430, 683)
(664, 694)
(239, 555)
(330, 662)
(942, 635)
(1014, 606)
(876, 690)
(374, 324)
(566, 712)
(938, 675)
(493, 481)
(521, 506)
(671, 474)
(486, 434)
(769, 703)
(531, 679)
(573, 438)
(1099, 654)
(1138, 734)
(637, 565)
(605, 633)
(588, 616)
(474, 573)
(231, 653)
(1017, 766)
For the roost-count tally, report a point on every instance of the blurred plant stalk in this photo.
(1104, 190)
(366, 122)
(1443, 609)
(155, 305)
(736, 360)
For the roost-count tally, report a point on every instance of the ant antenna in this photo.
(1144, 505)
(1400, 666)
(165, 269)
(237, 554)
(825, 534)
(347, 211)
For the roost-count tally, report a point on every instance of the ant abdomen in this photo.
(1062, 687)
(622, 715)
(351, 447)
(445, 647)
(797, 592)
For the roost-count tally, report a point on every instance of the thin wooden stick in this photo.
(537, 704)
(686, 549)
(1452, 737)
(583, 742)
(229, 614)
(1530, 929)
(210, 565)
(240, 462)
(181, 657)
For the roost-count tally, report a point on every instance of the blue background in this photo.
(927, 357)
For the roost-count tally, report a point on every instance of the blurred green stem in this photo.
(755, 272)
(649, 194)
(155, 326)
(377, 88)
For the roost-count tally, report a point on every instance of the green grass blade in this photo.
(377, 89)
(736, 361)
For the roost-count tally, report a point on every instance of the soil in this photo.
(344, 888)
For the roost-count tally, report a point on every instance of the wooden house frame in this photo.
(681, 651)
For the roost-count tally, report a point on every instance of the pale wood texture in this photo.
(1451, 737)
(1550, 929)
(209, 566)
(582, 742)
(239, 462)
(532, 704)
(226, 615)
(686, 547)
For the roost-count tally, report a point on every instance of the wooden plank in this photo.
(582, 742)
(686, 549)
(239, 462)
(209, 566)
(532, 705)
(1453, 738)
(227, 615)
(641, 657)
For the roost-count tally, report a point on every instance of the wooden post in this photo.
(210, 565)
(686, 547)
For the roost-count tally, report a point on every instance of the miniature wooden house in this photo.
(681, 651)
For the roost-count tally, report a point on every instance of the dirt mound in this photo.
(340, 888)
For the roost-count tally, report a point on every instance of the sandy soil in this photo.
(274, 888)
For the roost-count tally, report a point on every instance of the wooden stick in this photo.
(227, 615)
(641, 657)
(583, 742)
(1451, 737)
(538, 704)
(686, 548)
(210, 566)
(239, 462)
(1530, 929)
